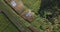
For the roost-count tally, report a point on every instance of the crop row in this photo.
(12, 16)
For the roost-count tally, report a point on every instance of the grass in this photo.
(32, 4)
(5, 23)
(39, 22)
(10, 28)
(12, 16)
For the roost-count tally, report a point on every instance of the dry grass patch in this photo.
(33, 29)
(28, 15)
(17, 5)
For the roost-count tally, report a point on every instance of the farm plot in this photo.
(16, 5)
(16, 19)
(4, 23)
(18, 2)
(13, 16)
(10, 28)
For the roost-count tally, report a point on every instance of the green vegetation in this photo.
(5, 24)
(32, 4)
(12, 15)
(47, 16)
(50, 11)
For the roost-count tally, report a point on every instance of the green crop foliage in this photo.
(5, 23)
(32, 4)
(50, 19)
